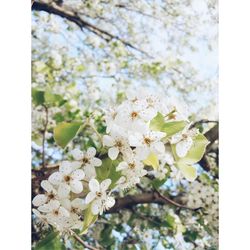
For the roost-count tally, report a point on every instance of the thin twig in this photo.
(174, 202)
(44, 135)
(78, 238)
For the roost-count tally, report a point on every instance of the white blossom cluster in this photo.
(201, 195)
(130, 141)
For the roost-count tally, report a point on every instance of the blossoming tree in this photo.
(125, 154)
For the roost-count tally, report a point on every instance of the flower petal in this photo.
(113, 153)
(78, 174)
(158, 147)
(91, 152)
(105, 184)
(78, 203)
(76, 186)
(89, 172)
(96, 162)
(63, 190)
(183, 147)
(55, 178)
(77, 154)
(46, 185)
(121, 166)
(110, 202)
(39, 200)
(94, 185)
(96, 207)
(66, 203)
(90, 196)
(64, 212)
(108, 141)
(65, 168)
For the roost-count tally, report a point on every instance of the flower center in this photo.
(147, 140)
(51, 196)
(184, 136)
(85, 160)
(67, 178)
(56, 212)
(118, 144)
(131, 165)
(134, 115)
(74, 210)
(98, 194)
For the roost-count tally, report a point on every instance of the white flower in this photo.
(118, 144)
(98, 196)
(67, 179)
(134, 116)
(75, 207)
(51, 194)
(54, 212)
(161, 172)
(132, 166)
(146, 143)
(87, 158)
(183, 141)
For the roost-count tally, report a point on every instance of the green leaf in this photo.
(65, 132)
(189, 171)
(171, 128)
(51, 241)
(89, 219)
(53, 99)
(195, 153)
(37, 97)
(158, 123)
(152, 160)
(170, 221)
(108, 170)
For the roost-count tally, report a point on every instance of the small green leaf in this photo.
(89, 219)
(189, 171)
(51, 241)
(195, 153)
(152, 160)
(37, 97)
(53, 99)
(157, 122)
(170, 128)
(170, 221)
(108, 170)
(65, 132)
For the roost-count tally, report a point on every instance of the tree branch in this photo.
(75, 18)
(212, 135)
(78, 238)
(155, 196)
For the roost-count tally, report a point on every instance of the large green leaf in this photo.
(51, 241)
(195, 153)
(89, 219)
(189, 171)
(65, 132)
(170, 128)
(37, 97)
(53, 99)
